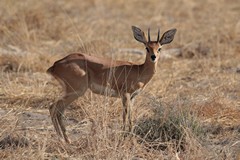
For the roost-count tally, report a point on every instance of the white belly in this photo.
(103, 90)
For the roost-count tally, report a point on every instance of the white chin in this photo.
(154, 61)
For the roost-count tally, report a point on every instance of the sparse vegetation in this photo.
(189, 110)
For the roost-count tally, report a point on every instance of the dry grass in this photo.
(190, 110)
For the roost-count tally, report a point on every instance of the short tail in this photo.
(52, 73)
(50, 70)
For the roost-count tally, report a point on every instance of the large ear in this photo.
(168, 36)
(139, 35)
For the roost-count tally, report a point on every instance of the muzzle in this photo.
(153, 57)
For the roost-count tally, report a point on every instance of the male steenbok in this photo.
(77, 72)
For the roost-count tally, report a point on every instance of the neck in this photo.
(149, 66)
(148, 69)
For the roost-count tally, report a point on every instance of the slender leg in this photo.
(57, 111)
(132, 98)
(53, 111)
(126, 105)
(129, 117)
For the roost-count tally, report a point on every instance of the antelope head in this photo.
(153, 48)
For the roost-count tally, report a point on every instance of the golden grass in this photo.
(190, 110)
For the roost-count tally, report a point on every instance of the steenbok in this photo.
(78, 72)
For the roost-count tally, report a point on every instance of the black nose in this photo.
(153, 57)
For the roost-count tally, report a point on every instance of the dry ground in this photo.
(190, 110)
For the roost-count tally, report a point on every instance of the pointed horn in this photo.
(158, 35)
(149, 35)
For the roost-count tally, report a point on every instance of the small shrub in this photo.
(167, 126)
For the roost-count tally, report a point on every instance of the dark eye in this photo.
(159, 49)
(147, 49)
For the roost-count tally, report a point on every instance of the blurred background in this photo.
(56, 25)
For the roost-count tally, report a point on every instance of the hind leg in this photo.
(57, 110)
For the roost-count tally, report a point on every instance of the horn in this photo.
(149, 35)
(158, 34)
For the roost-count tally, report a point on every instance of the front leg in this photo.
(126, 101)
(132, 99)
